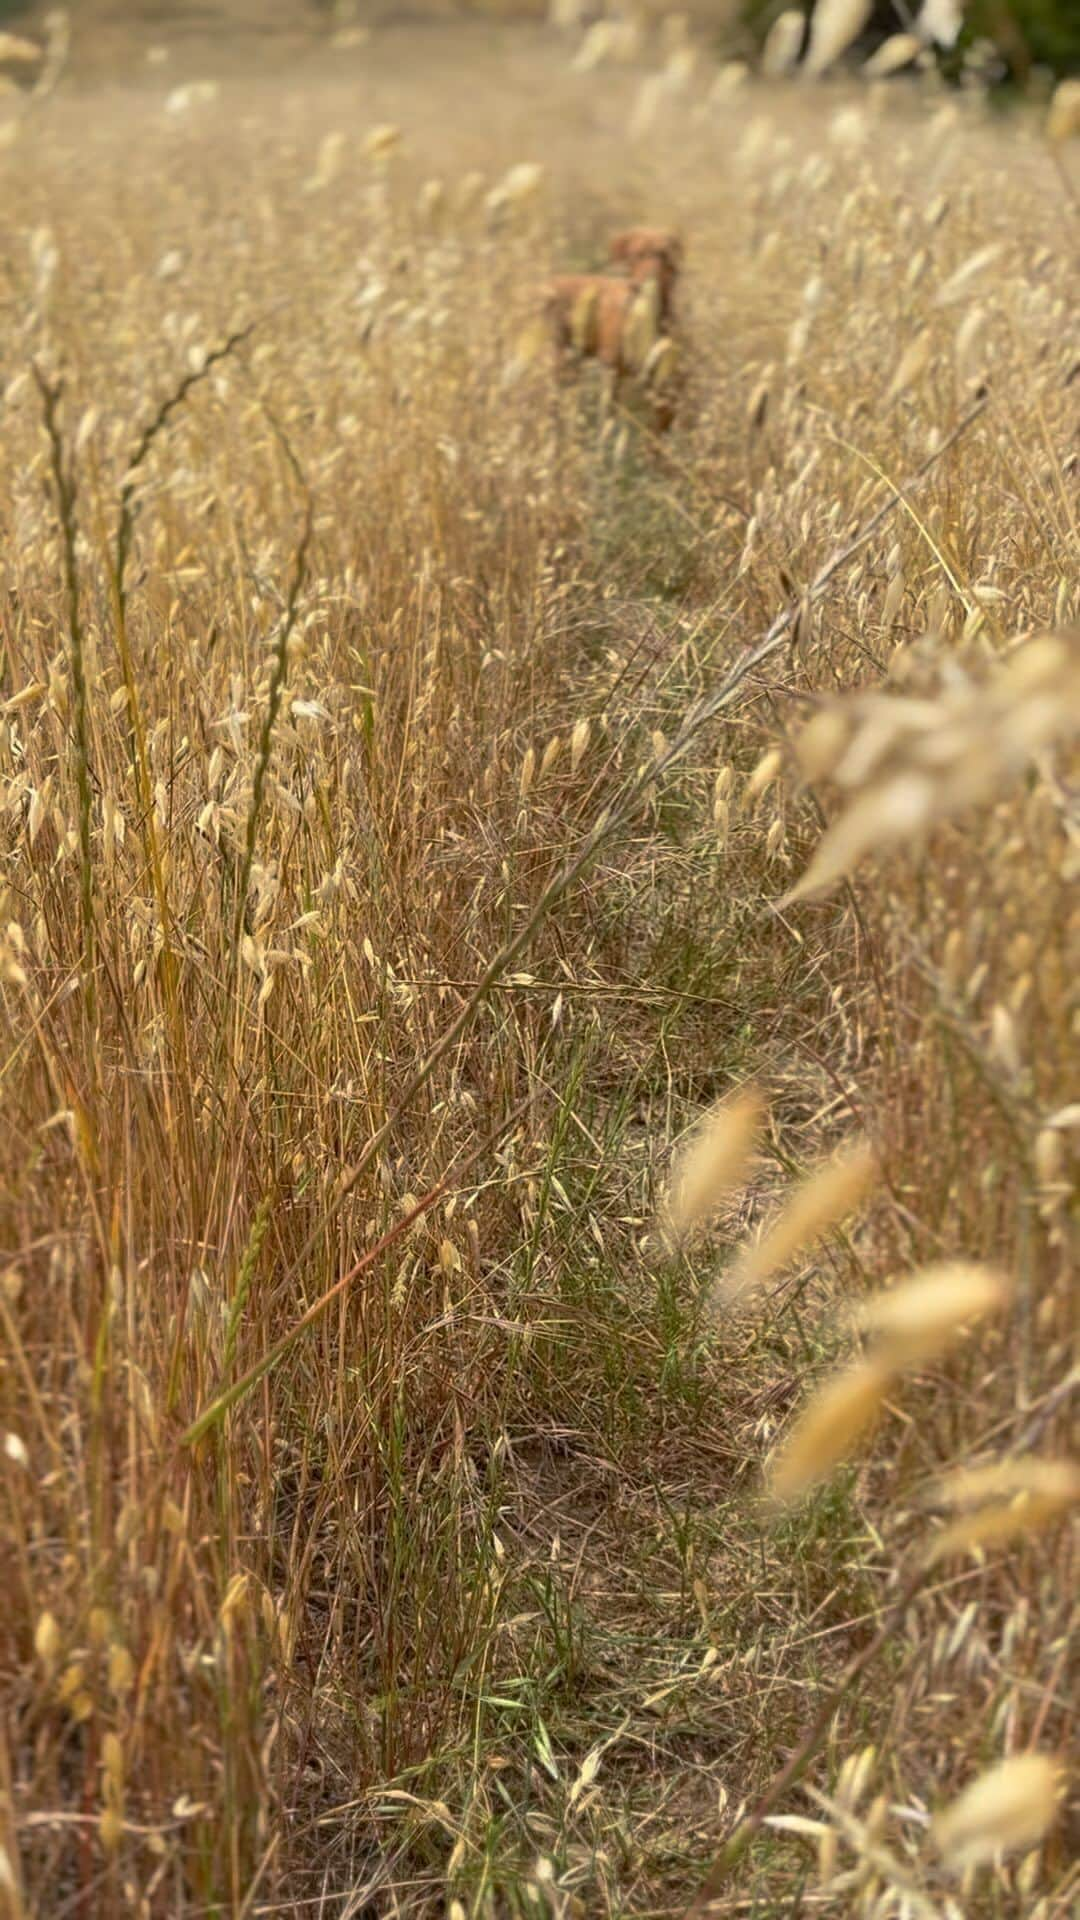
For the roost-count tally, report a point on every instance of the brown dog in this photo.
(589, 314)
(624, 322)
(651, 253)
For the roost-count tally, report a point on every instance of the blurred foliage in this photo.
(1040, 32)
(1026, 32)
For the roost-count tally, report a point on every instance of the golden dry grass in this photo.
(404, 768)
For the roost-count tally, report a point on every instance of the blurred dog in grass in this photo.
(624, 320)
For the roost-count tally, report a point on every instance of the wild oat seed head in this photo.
(821, 742)
(121, 1671)
(767, 770)
(110, 1829)
(897, 811)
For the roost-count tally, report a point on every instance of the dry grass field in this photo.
(409, 770)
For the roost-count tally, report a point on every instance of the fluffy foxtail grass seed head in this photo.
(969, 270)
(968, 351)
(1026, 1496)
(15, 51)
(597, 46)
(1049, 1479)
(999, 1525)
(47, 1641)
(825, 1433)
(911, 365)
(898, 51)
(1063, 119)
(381, 142)
(916, 1321)
(431, 202)
(327, 163)
(711, 1164)
(835, 24)
(518, 190)
(829, 1195)
(1049, 1157)
(822, 741)
(1009, 1806)
(651, 96)
(783, 44)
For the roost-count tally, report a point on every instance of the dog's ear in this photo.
(673, 252)
(621, 246)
